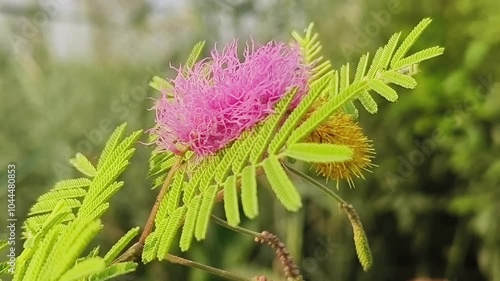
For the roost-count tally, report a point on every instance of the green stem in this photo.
(314, 182)
(212, 270)
(148, 228)
(135, 251)
(235, 228)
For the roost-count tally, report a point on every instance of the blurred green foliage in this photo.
(430, 209)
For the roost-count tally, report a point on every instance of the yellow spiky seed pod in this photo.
(342, 129)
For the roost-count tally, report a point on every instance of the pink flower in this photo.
(221, 96)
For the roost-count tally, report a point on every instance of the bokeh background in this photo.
(71, 71)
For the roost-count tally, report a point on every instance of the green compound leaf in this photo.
(4, 267)
(160, 162)
(205, 212)
(249, 198)
(361, 68)
(193, 57)
(319, 152)
(231, 206)
(111, 144)
(35, 223)
(160, 84)
(48, 206)
(350, 109)
(56, 238)
(375, 66)
(318, 88)
(385, 91)
(84, 269)
(311, 48)
(419, 57)
(190, 223)
(113, 270)
(385, 58)
(281, 184)
(326, 110)
(73, 183)
(368, 103)
(399, 79)
(120, 245)
(150, 247)
(82, 164)
(3, 243)
(58, 214)
(267, 132)
(72, 241)
(410, 40)
(169, 231)
(43, 249)
(56, 194)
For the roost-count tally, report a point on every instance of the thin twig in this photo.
(290, 269)
(235, 228)
(152, 215)
(135, 251)
(212, 270)
(314, 182)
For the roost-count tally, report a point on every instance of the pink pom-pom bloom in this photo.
(212, 103)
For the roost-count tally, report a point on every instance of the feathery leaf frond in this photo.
(410, 40)
(193, 56)
(111, 144)
(207, 204)
(56, 237)
(113, 270)
(300, 111)
(397, 78)
(249, 199)
(167, 233)
(311, 47)
(419, 57)
(120, 245)
(84, 269)
(160, 84)
(281, 184)
(190, 223)
(231, 206)
(82, 164)
(319, 152)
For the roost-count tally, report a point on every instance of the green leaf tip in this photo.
(319, 152)
(160, 84)
(281, 184)
(82, 164)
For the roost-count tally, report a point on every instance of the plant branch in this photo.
(152, 215)
(212, 270)
(131, 254)
(135, 251)
(290, 269)
(314, 182)
(235, 228)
